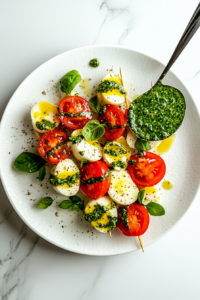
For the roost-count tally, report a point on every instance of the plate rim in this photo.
(3, 117)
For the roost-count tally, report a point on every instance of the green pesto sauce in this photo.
(109, 85)
(45, 125)
(132, 162)
(102, 110)
(96, 179)
(114, 153)
(94, 63)
(70, 180)
(81, 153)
(119, 164)
(157, 114)
(111, 224)
(123, 214)
(114, 127)
(75, 139)
(68, 114)
(97, 213)
(51, 152)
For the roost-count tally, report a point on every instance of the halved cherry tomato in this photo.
(148, 170)
(138, 220)
(52, 146)
(115, 116)
(92, 170)
(71, 109)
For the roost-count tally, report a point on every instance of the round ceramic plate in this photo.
(68, 229)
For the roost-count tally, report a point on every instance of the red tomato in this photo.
(92, 170)
(148, 170)
(115, 116)
(48, 146)
(74, 105)
(138, 220)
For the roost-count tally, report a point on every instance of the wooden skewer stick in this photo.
(127, 104)
(126, 98)
(151, 83)
(110, 234)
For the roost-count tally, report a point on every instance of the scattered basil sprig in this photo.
(42, 173)
(45, 202)
(93, 130)
(69, 81)
(94, 104)
(84, 162)
(142, 146)
(74, 202)
(154, 209)
(29, 162)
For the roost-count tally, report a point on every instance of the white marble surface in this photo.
(31, 268)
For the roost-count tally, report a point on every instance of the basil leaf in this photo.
(75, 206)
(42, 173)
(93, 130)
(45, 202)
(155, 209)
(75, 199)
(29, 162)
(65, 204)
(84, 162)
(69, 81)
(94, 104)
(141, 145)
(141, 195)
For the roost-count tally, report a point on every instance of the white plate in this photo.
(69, 230)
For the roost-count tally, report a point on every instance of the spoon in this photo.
(158, 113)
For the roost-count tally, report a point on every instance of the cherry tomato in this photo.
(71, 112)
(115, 116)
(52, 146)
(147, 170)
(93, 170)
(138, 220)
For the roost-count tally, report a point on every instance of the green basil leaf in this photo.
(75, 199)
(94, 104)
(45, 202)
(141, 195)
(42, 173)
(65, 204)
(93, 130)
(84, 162)
(75, 207)
(29, 162)
(69, 81)
(141, 145)
(155, 209)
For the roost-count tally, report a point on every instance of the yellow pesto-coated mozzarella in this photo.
(105, 219)
(121, 160)
(113, 96)
(90, 150)
(62, 170)
(44, 111)
(122, 189)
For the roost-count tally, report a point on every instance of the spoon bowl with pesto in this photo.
(158, 113)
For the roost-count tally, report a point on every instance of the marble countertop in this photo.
(31, 268)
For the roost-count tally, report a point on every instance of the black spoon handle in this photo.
(190, 30)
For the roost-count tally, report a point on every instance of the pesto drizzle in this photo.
(119, 164)
(70, 180)
(97, 213)
(75, 139)
(112, 223)
(45, 125)
(114, 153)
(109, 85)
(96, 179)
(51, 152)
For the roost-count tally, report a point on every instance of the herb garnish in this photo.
(109, 85)
(51, 152)
(102, 110)
(45, 202)
(154, 209)
(68, 114)
(94, 104)
(97, 213)
(93, 130)
(114, 153)
(96, 179)
(69, 81)
(111, 224)
(94, 63)
(119, 164)
(123, 214)
(29, 162)
(74, 202)
(84, 162)
(75, 139)
(42, 173)
(132, 162)
(69, 180)
(45, 125)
